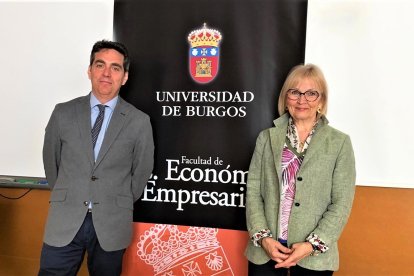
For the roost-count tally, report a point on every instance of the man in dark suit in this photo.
(98, 155)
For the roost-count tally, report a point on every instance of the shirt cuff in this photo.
(258, 236)
(317, 243)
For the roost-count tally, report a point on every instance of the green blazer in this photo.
(325, 189)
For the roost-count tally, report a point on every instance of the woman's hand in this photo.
(275, 250)
(299, 251)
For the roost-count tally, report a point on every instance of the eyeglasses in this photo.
(310, 95)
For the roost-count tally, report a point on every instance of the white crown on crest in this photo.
(163, 246)
(204, 36)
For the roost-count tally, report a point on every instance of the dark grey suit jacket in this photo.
(113, 183)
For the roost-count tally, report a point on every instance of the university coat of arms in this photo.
(204, 54)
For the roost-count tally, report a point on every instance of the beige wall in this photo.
(379, 237)
(378, 240)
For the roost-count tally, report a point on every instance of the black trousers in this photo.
(66, 260)
(268, 269)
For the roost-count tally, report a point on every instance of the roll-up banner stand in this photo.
(208, 73)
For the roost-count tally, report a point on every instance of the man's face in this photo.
(107, 74)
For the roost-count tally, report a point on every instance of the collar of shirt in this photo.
(111, 104)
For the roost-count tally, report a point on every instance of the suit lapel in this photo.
(277, 140)
(317, 142)
(83, 114)
(115, 125)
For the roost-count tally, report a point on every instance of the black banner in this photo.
(208, 72)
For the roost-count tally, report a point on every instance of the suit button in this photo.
(93, 178)
(297, 204)
(86, 203)
(299, 178)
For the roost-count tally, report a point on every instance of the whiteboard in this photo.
(365, 49)
(45, 48)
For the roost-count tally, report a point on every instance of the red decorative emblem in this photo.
(183, 250)
(204, 54)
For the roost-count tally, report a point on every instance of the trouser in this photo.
(66, 260)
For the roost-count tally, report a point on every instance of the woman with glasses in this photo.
(301, 184)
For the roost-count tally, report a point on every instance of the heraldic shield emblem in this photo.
(204, 54)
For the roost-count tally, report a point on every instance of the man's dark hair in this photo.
(106, 44)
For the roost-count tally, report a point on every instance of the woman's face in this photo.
(301, 109)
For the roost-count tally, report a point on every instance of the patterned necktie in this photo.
(98, 124)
